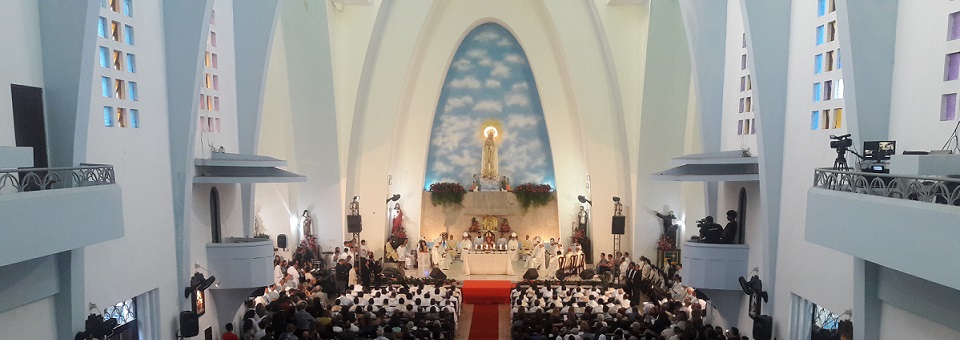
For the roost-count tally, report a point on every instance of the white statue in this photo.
(489, 166)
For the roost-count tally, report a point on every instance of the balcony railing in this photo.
(940, 190)
(34, 179)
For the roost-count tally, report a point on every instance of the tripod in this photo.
(841, 162)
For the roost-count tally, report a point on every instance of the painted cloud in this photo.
(489, 79)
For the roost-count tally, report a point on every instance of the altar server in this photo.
(513, 247)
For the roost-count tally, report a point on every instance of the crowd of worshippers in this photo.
(599, 313)
(305, 304)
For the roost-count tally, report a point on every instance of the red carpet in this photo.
(486, 292)
(486, 322)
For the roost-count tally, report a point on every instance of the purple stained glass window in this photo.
(952, 68)
(948, 107)
(954, 29)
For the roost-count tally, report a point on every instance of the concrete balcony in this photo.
(241, 262)
(51, 210)
(903, 223)
(714, 266)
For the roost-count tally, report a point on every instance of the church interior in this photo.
(773, 169)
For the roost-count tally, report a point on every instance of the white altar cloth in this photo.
(487, 264)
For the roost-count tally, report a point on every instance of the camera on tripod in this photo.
(840, 142)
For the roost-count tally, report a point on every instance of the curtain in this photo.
(801, 318)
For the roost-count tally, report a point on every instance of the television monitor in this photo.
(879, 150)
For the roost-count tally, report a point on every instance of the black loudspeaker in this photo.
(438, 274)
(531, 274)
(762, 327)
(391, 272)
(619, 223)
(282, 241)
(189, 324)
(587, 274)
(354, 225)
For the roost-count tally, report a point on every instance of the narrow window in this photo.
(818, 64)
(954, 24)
(948, 107)
(952, 67)
(216, 104)
(821, 7)
(117, 60)
(213, 17)
(203, 123)
(102, 27)
(128, 34)
(837, 115)
(839, 88)
(740, 127)
(829, 60)
(826, 119)
(105, 86)
(816, 92)
(203, 102)
(132, 91)
(216, 82)
(119, 89)
(121, 117)
(115, 5)
(743, 83)
(815, 120)
(217, 121)
(206, 59)
(115, 30)
(742, 102)
(107, 116)
(104, 57)
(214, 59)
(749, 104)
(131, 63)
(135, 118)
(128, 8)
(828, 90)
(831, 31)
(213, 39)
(819, 35)
(746, 126)
(743, 62)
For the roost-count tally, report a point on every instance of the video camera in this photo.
(841, 142)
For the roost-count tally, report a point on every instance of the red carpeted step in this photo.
(485, 323)
(486, 292)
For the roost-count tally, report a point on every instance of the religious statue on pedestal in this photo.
(489, 165)
(355, 206)
(307, 223)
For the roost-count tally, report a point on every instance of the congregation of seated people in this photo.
(306, 304)
(595, 313)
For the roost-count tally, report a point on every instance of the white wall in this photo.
(729, 139)
(918, 75)
(19, 22)
(821, 275)
(144, 259)
(896, 323)
(35, 320)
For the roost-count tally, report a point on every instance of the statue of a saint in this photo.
(489, 166)
(307, 223)
(355, 206)
(582, 218)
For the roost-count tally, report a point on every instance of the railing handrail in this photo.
(36, 179)
(931, 189)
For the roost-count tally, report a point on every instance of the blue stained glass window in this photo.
(128, 8)
(128, 34)
(131, 63)
(821, 7)
(815, 120)
(132, 91)
(104, 56)
(135, 118)
(818, 64)
(817, 92)
(105, 86)
(102, 27)
(107, 116)
(839, 61)
(819, 35)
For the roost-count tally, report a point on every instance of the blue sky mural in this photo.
(489, 81)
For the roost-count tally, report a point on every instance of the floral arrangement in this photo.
(578, 235)
(399, 233)
(410, 280)
(446, 193)
(533, 195)
(665, 243)
(505, 228)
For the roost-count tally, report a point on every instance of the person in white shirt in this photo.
(465, 243)
(364, 251)
(294, 274)
(537, 259)
(278, 273)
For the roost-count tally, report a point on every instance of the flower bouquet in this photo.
(446, 193)
(665, 243)
(533, 195)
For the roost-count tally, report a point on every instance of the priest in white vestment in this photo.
(466, 244)
(513, 247)
(536, 260)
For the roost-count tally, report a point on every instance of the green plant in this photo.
(533, 195)
(447, 193)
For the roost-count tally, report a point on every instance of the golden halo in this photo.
(486, 131)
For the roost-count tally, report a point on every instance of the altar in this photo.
(497, 263)
(540, 221)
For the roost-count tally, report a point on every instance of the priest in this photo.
(513, 247)
(465, 243)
